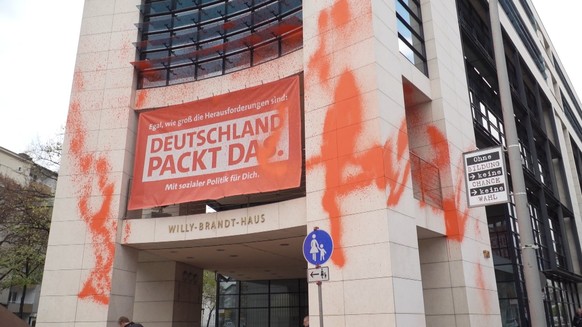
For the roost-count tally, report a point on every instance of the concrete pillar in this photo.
(168, 293)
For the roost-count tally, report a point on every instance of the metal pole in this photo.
(528, 253)
(320, 304)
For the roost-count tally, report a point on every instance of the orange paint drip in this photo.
(396, 177)
(77, 141)
(459, 216)
(269, 148)
(343, 126)
(288, 25)
(318, 60)
(440, 145)
(455, 218)
(142, 97)
(340, 13)
(228, 25)
(396, 183)
(102, 229)
(483, 290)
(85, 163)
(126, 231)
(331, 195)
(341, 130)
(293, 39)
(78, 81)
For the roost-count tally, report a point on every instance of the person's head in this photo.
(579, 311)
(306, 321)
(122, 321)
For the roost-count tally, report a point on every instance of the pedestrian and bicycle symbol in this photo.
(317, 247)
(317, 274)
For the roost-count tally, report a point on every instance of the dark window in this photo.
(487, 119)
(269, 303)
(426, 182)
(558, 246)
(560, 302)
(188, 40)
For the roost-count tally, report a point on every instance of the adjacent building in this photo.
(217, 135)
(20, 168)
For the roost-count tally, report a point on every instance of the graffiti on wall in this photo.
(94, 196)
(387, 166)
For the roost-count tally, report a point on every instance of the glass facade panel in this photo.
(208, 34)
(542, 167)
(254, 287)
(284, 286)
(254, 317)
(182, 75)
(410, 34)
(255, 300)
(262, 303)
(229, 301)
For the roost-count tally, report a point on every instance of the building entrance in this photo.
(261, 303)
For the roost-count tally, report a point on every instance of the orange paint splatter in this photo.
(481, 286)
(126, 231)
(142, 96)
(289, 27)
(342, 126)
(455, 218)
(268, 149)
(440, 145)
(386, 166)
(318, 60)
(333, 168)
(396, 177)
(102, 228)
(229, 25)
(340, 13)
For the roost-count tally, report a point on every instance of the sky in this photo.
(561, 19)
(38, 44)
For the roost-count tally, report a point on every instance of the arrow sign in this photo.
(317, 274)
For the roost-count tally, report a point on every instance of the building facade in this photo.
(216, 135)
(20, 168)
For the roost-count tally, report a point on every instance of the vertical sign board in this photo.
(486, 177)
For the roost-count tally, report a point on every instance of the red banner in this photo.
(242, 142)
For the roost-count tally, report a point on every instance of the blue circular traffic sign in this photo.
(317, 247)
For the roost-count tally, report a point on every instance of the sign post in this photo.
(486, 177)
(317, 249)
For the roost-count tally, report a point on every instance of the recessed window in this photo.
(188, 40)
(410, 34)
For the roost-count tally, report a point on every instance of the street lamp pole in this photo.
(528, 247)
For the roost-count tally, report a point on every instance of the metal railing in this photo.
(426, 182)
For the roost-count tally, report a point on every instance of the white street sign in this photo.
(486, 177)
(317, 274)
